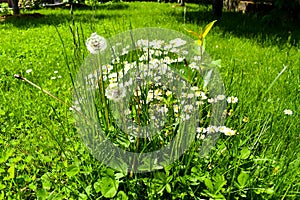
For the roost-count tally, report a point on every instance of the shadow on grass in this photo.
(83, 14)
(261, 27)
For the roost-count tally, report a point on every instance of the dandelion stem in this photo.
(17, 76)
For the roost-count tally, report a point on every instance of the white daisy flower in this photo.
(232, 99)
(288, 112)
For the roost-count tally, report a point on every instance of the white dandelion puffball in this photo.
(115, 92)
(96, 43)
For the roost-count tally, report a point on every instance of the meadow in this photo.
(43, 157)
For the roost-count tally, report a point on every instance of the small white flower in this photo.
(211, 129)
(176, 108)
(199, 103)
(199, 129)
(76, 108)
(188, 108)
(221, 97)
(168, 93)
(232, 99)
(211, 100)
(193, 65)
(53, 77)
(96, 43)
(190, 95)
(28, 71)
(288, 112)
(194, 88)
(177, 42)
(230, 132)
(55, 72)
(197, 58)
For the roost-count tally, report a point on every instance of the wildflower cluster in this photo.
(146, 92)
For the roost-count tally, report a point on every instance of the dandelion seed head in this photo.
(95, 43)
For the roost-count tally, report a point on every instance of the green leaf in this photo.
(122, 196)
(42, 194)
(11, 173)
(245, 153)
(219, 181)
(168, 188)
(97, 186)
(120, 175)
(109, 187)
(5, 155)
(243, 178)
(46, 182)
(209, 185)
(72, 170)
(269, 191)
(2, 186)
(83, 196)
(107, 172)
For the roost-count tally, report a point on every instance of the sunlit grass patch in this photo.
(42, 156)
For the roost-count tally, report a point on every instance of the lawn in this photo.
(43, 157)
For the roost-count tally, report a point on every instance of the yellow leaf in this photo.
(207, 29)
(193, 33)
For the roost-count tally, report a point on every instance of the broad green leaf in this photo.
(46, 182)
(82, 196)
(243, 178)
(209, 184)
(122, 196)
(109, 187)
(107, 172)
(245, 153)
(88, 189)
(120, 175)
(168, 188)
(42, 194)
(219, 182)
(72, 170)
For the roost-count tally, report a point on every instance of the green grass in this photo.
(41, 155)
